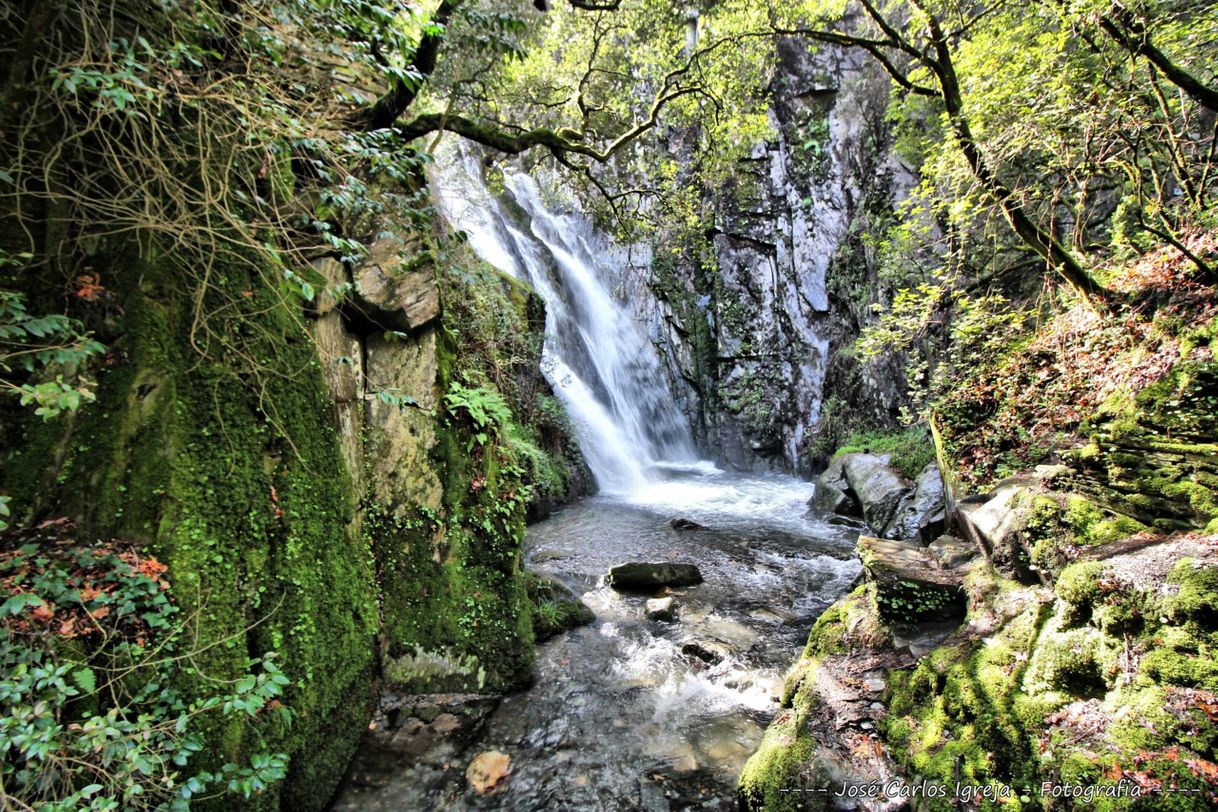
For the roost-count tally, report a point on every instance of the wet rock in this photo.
(708, 651)
(951, 552)
(427, 727)
(641, 575)
(910, 584)
(680, 523)
(488, 772)
(664, 610)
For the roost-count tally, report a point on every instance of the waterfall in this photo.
(595, 355)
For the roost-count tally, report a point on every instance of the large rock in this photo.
(921, 515)
(866, 486)
(880, 488)
(641, 575)
(400, 440)
(951, 552)
(831, 494)
(391, 294)
(911, 585)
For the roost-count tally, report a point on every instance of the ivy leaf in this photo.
(19, 603)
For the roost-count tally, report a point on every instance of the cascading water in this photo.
(595, 355)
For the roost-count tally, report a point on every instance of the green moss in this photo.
(1070, 663)
(852, 623)
(555, 609)
(1048, 534)
(959, 707)
(783, 761)
(1092, 525)
(230, 472)
(1196, 600)
(911, 449)
(1078, 587)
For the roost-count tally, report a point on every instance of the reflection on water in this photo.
(620, 717)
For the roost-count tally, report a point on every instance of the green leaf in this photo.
(19, 603)
(85, 679)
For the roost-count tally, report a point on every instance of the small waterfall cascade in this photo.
(595, 356)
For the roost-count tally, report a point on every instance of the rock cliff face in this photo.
(758, 348)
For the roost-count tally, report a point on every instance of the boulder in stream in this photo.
(662, 609)
(642, 575)
(708, 651)
(681, 523)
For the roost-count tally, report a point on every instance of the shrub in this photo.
(911, 449)
(93, 714)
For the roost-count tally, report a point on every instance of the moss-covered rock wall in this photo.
(344, 481)
(231, 475)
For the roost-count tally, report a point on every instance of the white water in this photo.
(596, 356)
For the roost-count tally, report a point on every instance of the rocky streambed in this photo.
(658, 702)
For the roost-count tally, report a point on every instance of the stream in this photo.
(620, 717)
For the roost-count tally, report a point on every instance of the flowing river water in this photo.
(620, 717)
(627, 712)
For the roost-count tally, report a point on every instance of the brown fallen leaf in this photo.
(486, 773)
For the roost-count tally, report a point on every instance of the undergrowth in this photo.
(911, 449)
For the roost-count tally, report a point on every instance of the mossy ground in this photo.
(1111, 681)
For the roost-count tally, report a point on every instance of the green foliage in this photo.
(40, 356)
(555, 608)
(92, 650)
(911, 448)
(907, 601)
(485, 408)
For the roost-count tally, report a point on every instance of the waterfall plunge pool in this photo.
(620, 718)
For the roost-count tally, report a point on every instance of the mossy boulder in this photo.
(910, 584)
(555, 608)
(818, 741)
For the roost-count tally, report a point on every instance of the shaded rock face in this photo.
(921, 515)
(865, 487)
(911, 584)
(749, 346)
(879, 489)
